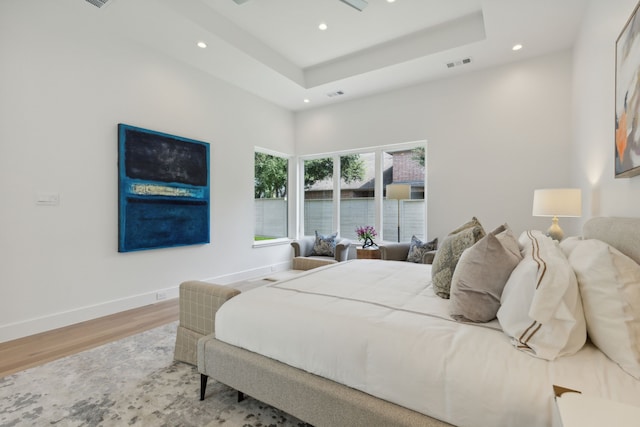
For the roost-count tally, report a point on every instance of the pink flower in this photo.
(366, 232)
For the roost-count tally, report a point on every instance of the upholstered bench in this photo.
(199, 302)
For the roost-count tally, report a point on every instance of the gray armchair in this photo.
(303, 248)
(400, 251)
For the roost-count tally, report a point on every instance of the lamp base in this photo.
(555, 232)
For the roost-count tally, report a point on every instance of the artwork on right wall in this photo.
(627, 135)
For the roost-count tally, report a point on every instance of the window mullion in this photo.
(336, 193)
(379, 192)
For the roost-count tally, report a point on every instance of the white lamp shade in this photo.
(399, 191)
(557, 202)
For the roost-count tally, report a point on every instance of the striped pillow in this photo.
(541, 309)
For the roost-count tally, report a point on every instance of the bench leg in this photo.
(203, 385)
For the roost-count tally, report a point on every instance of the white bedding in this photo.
(379, 328)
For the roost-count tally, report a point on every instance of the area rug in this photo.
(130, 382)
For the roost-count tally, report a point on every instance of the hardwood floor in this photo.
(34, 350)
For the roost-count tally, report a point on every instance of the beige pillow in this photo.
(540, 308)
(609, 283)
(447, 256)
(480, 276)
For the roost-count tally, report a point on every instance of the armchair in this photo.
(303, 248)
(400, 252)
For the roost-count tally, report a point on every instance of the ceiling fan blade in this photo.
(356, 4)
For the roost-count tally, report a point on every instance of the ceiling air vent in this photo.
(334, 94)
(458, 62)
(98, 3)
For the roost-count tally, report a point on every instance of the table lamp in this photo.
(557, 202)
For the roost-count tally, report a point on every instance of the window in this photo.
(318, 196)
(270, 196)
(362, 195)
(404, 208)
(357, 193)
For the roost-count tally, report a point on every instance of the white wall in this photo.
(493, 137)
(66, 81)
(594, 114)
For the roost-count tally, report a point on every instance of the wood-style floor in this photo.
(34, 350)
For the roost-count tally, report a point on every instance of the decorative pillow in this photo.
(609, 283)
(325, 245)
(449, 253)
(540, 306)
(419, 249)
(480, 276)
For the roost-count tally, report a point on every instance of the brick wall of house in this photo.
(405, 168)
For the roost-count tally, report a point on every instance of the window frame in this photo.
(378, 189)
(291, 178)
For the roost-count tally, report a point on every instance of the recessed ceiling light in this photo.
(516, 47)
(322, 26)
(306, 101)
(390, 1)
(202, 45)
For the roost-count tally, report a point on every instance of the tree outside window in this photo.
(270, 196)
(318, 186)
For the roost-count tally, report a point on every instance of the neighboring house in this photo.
(400, 167)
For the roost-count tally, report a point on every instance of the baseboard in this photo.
(37, 325)
(249, 274)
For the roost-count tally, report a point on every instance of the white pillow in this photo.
(609, 283)
(540, 307)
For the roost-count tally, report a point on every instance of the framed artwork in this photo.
(163, 198)
(627, 130)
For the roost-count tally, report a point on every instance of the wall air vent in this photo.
(458, 62)
(334, 94)
(98, 3)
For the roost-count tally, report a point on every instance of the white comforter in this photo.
(379, 328)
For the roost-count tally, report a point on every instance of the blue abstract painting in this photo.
(163, 190)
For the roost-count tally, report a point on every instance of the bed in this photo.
(368, 342)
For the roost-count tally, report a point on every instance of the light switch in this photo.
(47, 199)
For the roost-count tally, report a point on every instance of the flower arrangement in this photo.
(366, 233)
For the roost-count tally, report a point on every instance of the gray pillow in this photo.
(418, 249)
(325, 245)
(480, 276)
(473, 222)
(449, 253)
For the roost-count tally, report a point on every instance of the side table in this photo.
(577, 410)
(368, 253)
